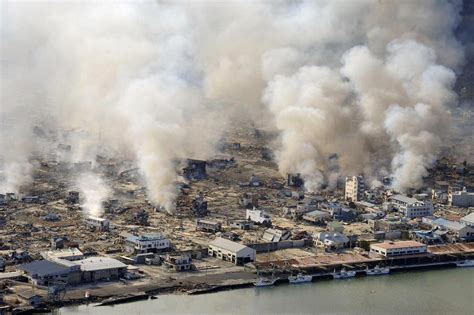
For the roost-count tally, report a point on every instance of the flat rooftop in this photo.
(399, 244)
(99, 263)
(405, 199)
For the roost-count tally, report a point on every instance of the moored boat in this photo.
(465, 263)
(377, 271)
(300, 278)
(265, 282)
(343, 274)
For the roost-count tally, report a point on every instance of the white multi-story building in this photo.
(461, 198)
(149, 243)
(401, 248)
(411, 207)
(355, 187)
(96, 223)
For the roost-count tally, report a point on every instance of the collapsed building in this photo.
(208, 225)
(295, 180)
(195, 170)
(199, 205)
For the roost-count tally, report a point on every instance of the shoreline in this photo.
(209, 289)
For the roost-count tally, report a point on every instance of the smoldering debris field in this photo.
(155, 128)
(157, 82)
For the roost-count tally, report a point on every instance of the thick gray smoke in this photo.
(158, 81)
(94, 192)
(375, 94)
(119, 78)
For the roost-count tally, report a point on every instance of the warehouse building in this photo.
(100, 268)
(44, 272)
(231, 251)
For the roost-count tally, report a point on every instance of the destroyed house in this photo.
(195, 170)
(30, 199)
(432, 237)
(276, 235)
(248, 201)
(208, 226)
(294, 180)
(30, 298)
(259, 217)
(338, 212)
(242, 225)
(199, 205)
(73, 197)
(178, 262)
(316, 216)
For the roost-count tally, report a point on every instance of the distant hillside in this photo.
(465, 33)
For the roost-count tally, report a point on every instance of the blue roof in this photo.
(43, 268)
(146, 237)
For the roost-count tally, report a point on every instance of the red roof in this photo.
(399, 244)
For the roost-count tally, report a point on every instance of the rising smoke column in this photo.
(400, 82)
(157, 81)
(119, 78)
(403, 98)
(94, 191)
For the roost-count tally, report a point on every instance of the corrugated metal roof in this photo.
(405, 199)
(451, 225)
(43, 268)
(99, 263)
(469, 218)
(228, 245)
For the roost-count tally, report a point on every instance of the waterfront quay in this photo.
(324, 265)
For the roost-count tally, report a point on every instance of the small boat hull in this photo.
(261, 283)
(378, 272)
(300, 279)
(465, 263)
(344, 275)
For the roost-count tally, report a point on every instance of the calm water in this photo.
(449, 291)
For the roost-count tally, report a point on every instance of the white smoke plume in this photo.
(158, 81)
(93, 191)
(385, 99)
(119, 78)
